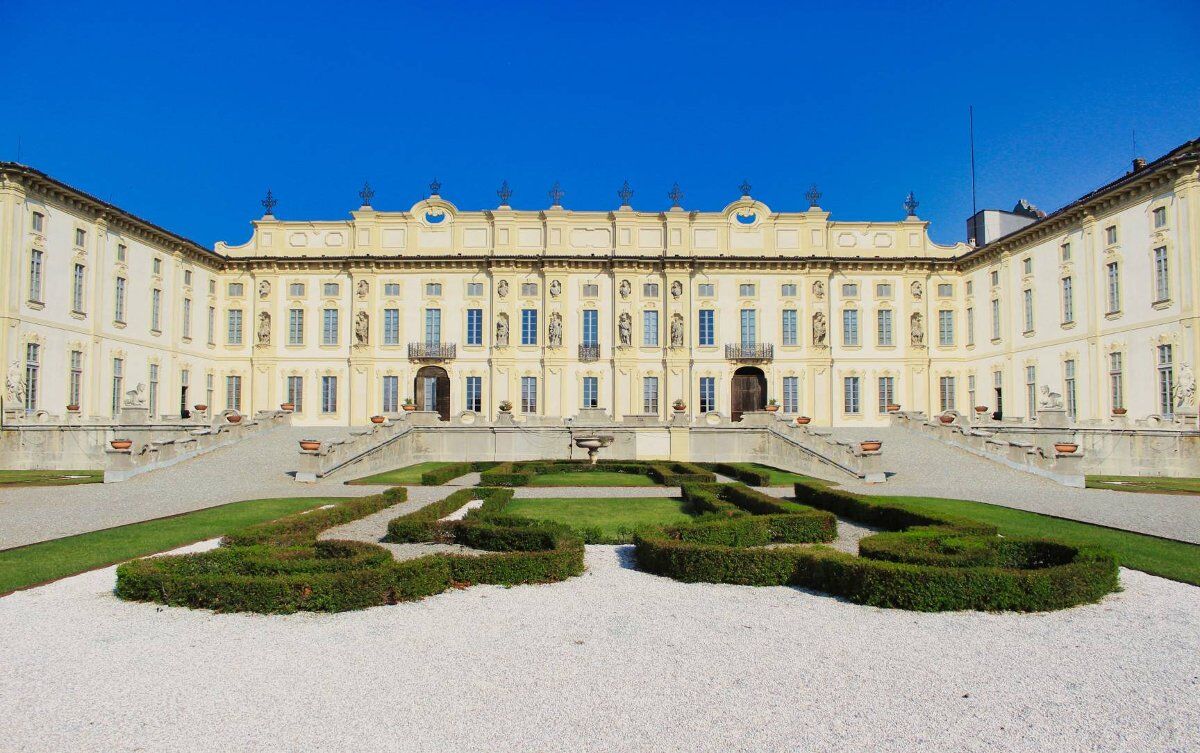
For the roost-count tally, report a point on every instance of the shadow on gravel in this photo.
(627, 556)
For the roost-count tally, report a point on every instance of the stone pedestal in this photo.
(134, 415)
(591, 416)
(1052, 418)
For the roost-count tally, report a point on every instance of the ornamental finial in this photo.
(625, 194)
(504, 192)
(366, 194)
(269, 202)
(435, 187)
(813, 195)
(911, 204)
(745, 188)
(675, 195)
(556, 195)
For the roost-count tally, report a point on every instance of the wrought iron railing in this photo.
(431, 351)
(589, 352)
(757, 352)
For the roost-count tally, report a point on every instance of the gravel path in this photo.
(614, 660)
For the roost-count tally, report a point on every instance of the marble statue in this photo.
(364, 287)
(820, 329)
(1049, 399)
(556, 332)
(362, 328)
(502, 288)
(625, 329)
(502, 328)
(555, 288)
(263, 333)
(677, 331)
(1184, 392)
(916, 330)
(264, 288)
(136, 396)
(676, 289)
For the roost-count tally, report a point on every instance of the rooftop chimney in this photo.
(1139, 163)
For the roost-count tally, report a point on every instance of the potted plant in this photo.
(408, 404)
(870, 445)
(234, 418)
(1065, 448)
(289, 407)
(772, 405)
(1120, 411)
(73, 407)
(893, 407)
(505, 406)
(679, 405)
(946, 418)
(200, 408)
(310, 445)
(121, 444)
(377, 419)
(981, 409)
(803, 420)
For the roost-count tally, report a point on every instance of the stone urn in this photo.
(803, 420)
(870, 445)
(121, 444)
(1065, 448)
(505, 406)
(200, 408)
(892, 408)
(981, 409)
(679, 406)
(946, 418)
(377, 419)
(73, 408)
(593, 445)
(289, 407)
(234, 418)
(1120, 411)
(310, 445)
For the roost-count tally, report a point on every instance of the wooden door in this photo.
(748, 392)
(432, 388)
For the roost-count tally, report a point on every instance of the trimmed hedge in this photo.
(926, 563)
(439, 476)
(667, 473)
(743, 472)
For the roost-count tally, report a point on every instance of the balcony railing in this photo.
(759, 352)
(589, 352)
(431, 351)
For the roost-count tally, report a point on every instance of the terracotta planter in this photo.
(121, 444)
(310, 444)
(679, 408)
(73, 408)
(892, 408)
(981, 409)
(803, 420)
(200, 408)
(409, 407)
(772, 408)
(1065, 448)
(377, 419)
(234, 418)
(870, 445)
(289, 407)
(1120, 411)
(946, 418)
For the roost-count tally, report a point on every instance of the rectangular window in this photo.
(329, 327)
(706, 328)
(475, 289)
(971, 402)
(35, 275)
(1069, 384)
(749, 328)
(850, 290)
(187, 278)
(883, 290)
(80, 237)
(995, 318)
(235, 289)
(1068, 300)
(118, 379)
(156, 266)
(77, 289)
(295, 392)
(788, 290)
(1166, 381)
(329, 396)
(433, 326)
(119, 301)
(155, 310)
(75, 379)
(529, 289)
(791, 394)
(1110, 235)
(850, 395)
(945, 327)
(1027, 266)
(1160, 217)
(39, 221)
(233, 393)
(970, 287)
(475, 394)
(391, 326)
(705, 290)
(529, 327)
(187, 318)
(650, 290)
(528, 394)
(970, 325)
(591, 290)
(649, 394)
(1162, 286)
(887, 392)
(591, 392)
(121, 251)
(234, 326)
(33, 366)
(945, 290)
(152, 398)
(1027, 308)
(850, 327)
(995, 278)
(946, 392)
(474, 326)
(1116, 380)
(708, 394)
(591, 327)
(212, 290)
(295, 327)
(296, 290)
(212, 328)
(883, 327)
(746, 290)
(650, 328)
(1113, 274)
(209, 390)
(1065, 252)
(790, 328)
(330, 289)
(1031, 392)
(391, 394)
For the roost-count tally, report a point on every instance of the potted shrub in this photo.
(803, 420)
(679, 405)
(893, 407)
(377, 419)
(946, 418)
(870, 445)
(73, 408)
(505, 406)
(1119, 411)
(310, 445)
(981, 409)
(772, 405)
(200, 408)
(289, 407)
(234, 418)
(121, 444)
(408, 404)
(1065, 448)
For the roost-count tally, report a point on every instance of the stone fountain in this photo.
(592, 444)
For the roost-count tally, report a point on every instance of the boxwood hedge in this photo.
(923, 562)
(665, 472)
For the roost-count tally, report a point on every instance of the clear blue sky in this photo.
(185, 114)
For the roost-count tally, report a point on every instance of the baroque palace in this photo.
(624, 311)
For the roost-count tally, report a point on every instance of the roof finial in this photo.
(625, 194)
(504, 192)
(366, 194)
(269, 202)
(435, 187)
(745, 188)
(556, 195)
(813, 196)
(675, 195)
(911, 204)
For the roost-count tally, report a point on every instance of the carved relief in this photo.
(916, 289)
(677, 330)
(264, 288)
(363, 289)
(676, 289)
(626, 288)
(916, 329)
(502, 288)
(555, 288)
(818, 289)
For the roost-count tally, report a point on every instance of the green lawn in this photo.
(613, 518)
(787, 478)
(591, 478)
(1169, 559)
(49, 478)
(50, 560)
(407, 476)
(1151, 484)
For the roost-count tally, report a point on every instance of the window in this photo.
(35, 275)
(391, 326)
(1162, 287)
(187, 278)
(529, 327)
(121, 251)
(329, 394)
(970, 325)
(746, 290)
(212, 329)
(650, 328)
(850, 327)
(296, 290)
(234, 327)
(235, 289)
(887, 392)
(474, 326)
(1116, 380)
(883, 290)
(295, 327)
(233, 393)
(791, 394)
(152, 398)
(433, 326)
(1027, 308)
(474, 394)
(212, 290)
(650, 394)
(33, 366)
(708, 394)
(39, 221)
(528, 289)
(850, 396)
(528, 394)
(474, 289)
(946, 392)
(1065, 252)
(970, 287)
(591, 290)
(1069, 385)
(156, 266)
(705, 290)
(850, 290)
(995, 278)
(1113, 274)
(155, 310)
(329, 327)
(118, 379)
(75, 379)
(945, 290)
(591, 327)
(790, 329)
(945, 327)
(187, 318)
(706, 329)
(1110, 235)
(1160, 217)
(749, 328)
(591, 392)
(971, 403)
(1027, 265)
(391, 394)
(883, 328)
(77, 289)
(391, 289)
(650, 290)
(295, 392)
(995, 318)
(788, 290)
(1068, 300)
(331, 289)
(1031, 392)
(80, 237)
(1166, 381)
(209, 389)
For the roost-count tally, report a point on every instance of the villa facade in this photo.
(626, 311)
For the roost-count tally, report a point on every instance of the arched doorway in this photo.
(748, 392)
(431, 390)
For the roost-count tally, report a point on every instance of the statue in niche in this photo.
(264, 288)
(263, 333)
(625, 329)
(820, 329)
(915, 288)
(502, 288)
(362, 328)
(16, 385)
(1184, 392)
(1049, 400)
(625, 288)
(677, 331)
(676, 289)
(502, 329)
(916, 330)
(364, 287)
(555, 334)
(819, 290)
(555, 288)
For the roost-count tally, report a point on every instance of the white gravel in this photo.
(615, 660)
